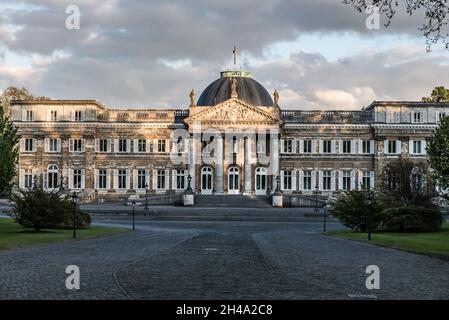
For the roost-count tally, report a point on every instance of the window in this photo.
(287, 147)
(160, 179)
(417, 147)
(392, 145)
(29, 145)
(77, 145)
(161, 146)
(307, 180)
(52, 177)
(347, 146)
(102, 178)
(180, 181)
(393, 117)
(440, 116)
(78, 116)
(53, 145)
(307, 146)
(366, 180)
(103, 145)
(29, 115)
(53, 115)
(77, 179)
(141, 145)
(346, 180)
(327, 146)
(366, 146)
(287, 180)
(141, 179)
(417, 117)
(28, 178)
(122, 177)
(122, 145)
(327, 180)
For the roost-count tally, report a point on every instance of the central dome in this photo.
(248, 90)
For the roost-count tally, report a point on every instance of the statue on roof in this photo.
(234, 93)
(192, 98)
(276, 97)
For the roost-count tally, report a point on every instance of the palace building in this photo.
(234, 139)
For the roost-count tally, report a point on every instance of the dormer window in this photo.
(53, 115)
(29, 115)
(78, 116)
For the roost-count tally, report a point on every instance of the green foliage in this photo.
(40, 209)
(9, 153)
(412, 219)
(438, 153)
(353, 210)
(439, 94)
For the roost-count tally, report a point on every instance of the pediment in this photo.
(234, 111)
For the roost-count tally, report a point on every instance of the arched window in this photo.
(52, 176)
(261, 180)
(206, 180)
(233, 180)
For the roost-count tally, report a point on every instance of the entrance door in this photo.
(206, 180)
(261, 181)
(233, 181)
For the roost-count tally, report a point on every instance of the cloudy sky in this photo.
(150, 53)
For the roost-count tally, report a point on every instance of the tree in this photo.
(436, 15)
(406, 183)
(353, 210)
(9, 153)
(13, 93)
(439, 94)
(438, 155)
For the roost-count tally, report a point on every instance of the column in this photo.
(274, 158)
(192, 162)
(247, 167)
(219, 165)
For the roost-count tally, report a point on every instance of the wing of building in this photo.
(235, 139)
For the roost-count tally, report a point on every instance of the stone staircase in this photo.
(233, 201)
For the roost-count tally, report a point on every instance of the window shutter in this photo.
(294, 173)
(128, 145)
(21, 178)
(167, 179)
(70, 178)
(282, 179)
(155, 149)
(167, 146)
(108, 179)
(83, 145)
(71, 145)
(372, 179)
(301, 146)
(398, 147)
(372, 144)
(314, 182)
(135, 146)
(340, 180)
(282, 145)
(173, 180)
(301, 179)
(385, 146)
(96, 178)
(45, 180)
(22, 144)
(115, 149)
(97, 145)
(148, 143)
(353, 146)
(360, 178)
(109, 145)
(83, 178)
(47, 144)
(115, 177)
(128, 178)
(314, 146)
(294, 146)
(154, 179)
(333, 178)
(352, 186)
(186, 181)
(410, 147)
(320, 180)
(424, 147)
(321, 146)
(333, 146)
(135, 177)
(360, 146)
(340, 146)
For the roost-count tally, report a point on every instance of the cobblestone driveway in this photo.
(220, 260)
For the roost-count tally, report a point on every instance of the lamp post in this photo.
(324, 217)
(316, 198)
(370, 202)
(133, 203)
(189, 182)
(146, 196)
(74, 201)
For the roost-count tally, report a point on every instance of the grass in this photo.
(12, 235)
(430, 243)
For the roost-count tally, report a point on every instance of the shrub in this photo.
(39, 209)
(412, 219)
(353, 211)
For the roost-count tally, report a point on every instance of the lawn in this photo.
(12, 235)
(432, 243)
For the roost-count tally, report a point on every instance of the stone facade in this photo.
(232, 147)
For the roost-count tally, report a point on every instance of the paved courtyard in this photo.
(220, 260)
